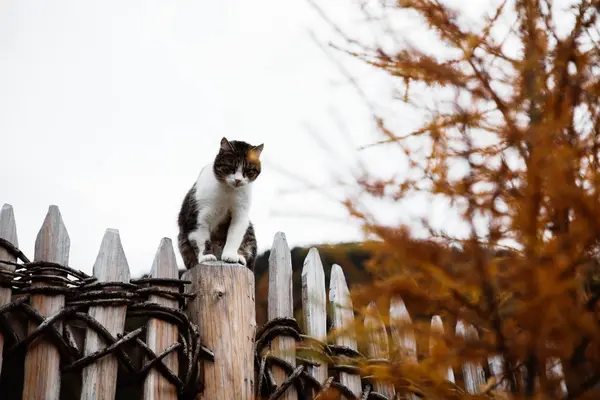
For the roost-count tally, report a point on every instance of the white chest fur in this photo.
(216, 201)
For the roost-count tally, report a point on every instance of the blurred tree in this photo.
(512, 144)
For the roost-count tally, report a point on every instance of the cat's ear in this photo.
(225, 145)
(258, 149)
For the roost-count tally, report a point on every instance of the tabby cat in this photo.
(215, 210)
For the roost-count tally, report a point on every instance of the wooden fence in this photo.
(67, 335)
(106, 336)
(393, 342)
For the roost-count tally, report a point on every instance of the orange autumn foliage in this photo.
(516, 152)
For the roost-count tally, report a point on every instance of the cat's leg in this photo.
(201, 239)
(248, 247)
(188, 250)
(235, 236)
(188, 222)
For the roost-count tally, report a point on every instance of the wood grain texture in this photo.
(378, 346)
(473, 375)
(314, 305)
(162, 334)
(187, 288)
(225, 313)
(42, 361)
(99, 380)
(281, 304)
(343, 322)
(8, 232)
(435, 344)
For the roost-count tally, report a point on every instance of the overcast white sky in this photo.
(109, 109)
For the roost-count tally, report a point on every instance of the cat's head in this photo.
(238, 163)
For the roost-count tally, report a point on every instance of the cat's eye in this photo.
(228, 161)
(227, 169)
(251, 173)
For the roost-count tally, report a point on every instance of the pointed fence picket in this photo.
(473, 375)
(280, 305)
(162, 335)
(495, 364)
(343, 323)
(100, 378)
(314, 306)
(378, 347)
(436, 344)
(403, 335)
(42, 361)
(554, 371)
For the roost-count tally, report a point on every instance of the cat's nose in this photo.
(237, 181)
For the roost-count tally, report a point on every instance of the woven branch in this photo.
(82, 291)
(338, 358)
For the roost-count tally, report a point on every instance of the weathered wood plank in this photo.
(473, 374)
(496, 366)
(225, 313)
(435, 345)
(343, 322)
(554, 371)
(403, 334)
(378, 346)
(314, 305)
(8, 232)
(99, 380)
(42, 362)
(281, 304)
(161, 334)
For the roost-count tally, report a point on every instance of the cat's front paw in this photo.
(233, 257)
(206, 258)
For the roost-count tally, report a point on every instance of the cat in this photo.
(215, 210)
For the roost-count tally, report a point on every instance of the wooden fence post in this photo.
(162, 334)
(554, 371)
(42, 361)
(473, 375)
(281, 304)
(99, 379)
(437, 328)
(8, 232)
(225, 314)
(378, 347)
(314, 305)
(403, 334)
(343, 322)
(496, 366)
